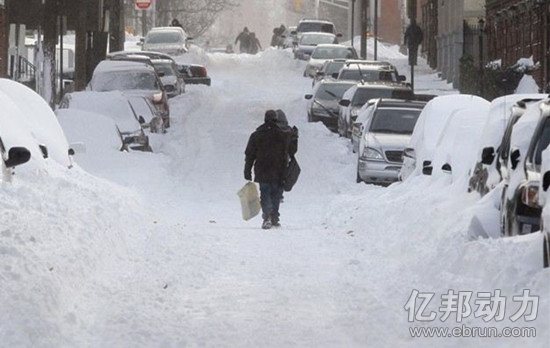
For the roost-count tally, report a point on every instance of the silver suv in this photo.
(387, 131)
(312, 25)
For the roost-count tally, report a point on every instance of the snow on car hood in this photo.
(112, 104)
(387, 141)
(37, 118)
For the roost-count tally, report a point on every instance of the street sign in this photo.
(143, 4)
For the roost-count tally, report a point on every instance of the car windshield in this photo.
(332, 91)
(398, 121)
(333, 67)
(164, 37)
(367, 75)
(333, 53)
(124, 80)
(315, 39)
(363, 95)
(165, 68)
(313, 26)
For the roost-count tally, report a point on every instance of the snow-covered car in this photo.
(418, 156)
(455, 150)
(310, 40)
(359, 125)
(323, 102)
(520, 210)
(169, 40)
(544, 202)
(117, 107)
(504, 112)
(387, 130)
(324, 52)
(148, 116)
(132, 78)
(361, 93)
(171, 78)
(369, 71)
(28, 121)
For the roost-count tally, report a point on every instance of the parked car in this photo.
(387, 130)
(191, 73)
(171, 78)
(418, 156)
(169, 40)
(359, 125)
(323, 102)
(116, 106)
(133, 79)
(544, 201)
(520, 209)
(455, 150)
(195, 74)
(328, 70)
(369, 71)
(28, 121)
(358, 95)
(310, 40)
(324, 52)
(148, 116)
(493, 149)
(313, 25)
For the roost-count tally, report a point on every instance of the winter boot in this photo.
(275, 222)
(267, 224)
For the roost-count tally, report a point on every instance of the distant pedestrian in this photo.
(255, 45)
(176, 23)
(244, 41)
(267, 151)
(413, 39)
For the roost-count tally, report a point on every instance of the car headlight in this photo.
(371, 154)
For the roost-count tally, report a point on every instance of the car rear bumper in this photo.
(198, 80)
(378, 172)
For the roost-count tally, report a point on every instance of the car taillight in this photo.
(199, 71)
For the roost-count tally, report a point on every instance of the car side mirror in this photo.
(427, 168)
(401, 78)
(344, 102)
(308, 96)
(339, 35)
(488, 155)
(514, 158)
(44, 150)
(334, 75)
(409, 153)
(160, 74)
(446, 168)
(17, 156)
(141, 119)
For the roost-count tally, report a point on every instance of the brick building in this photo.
(519, 29)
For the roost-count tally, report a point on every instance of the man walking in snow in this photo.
(268, 151)
(244, 41)
(413, 39)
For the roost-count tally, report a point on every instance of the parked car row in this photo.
(493, 148)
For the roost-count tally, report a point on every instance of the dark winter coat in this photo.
(268, 152)
(244, 41)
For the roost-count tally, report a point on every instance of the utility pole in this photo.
(364, 20)
(375, 29)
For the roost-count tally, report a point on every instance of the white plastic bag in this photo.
(250, 200)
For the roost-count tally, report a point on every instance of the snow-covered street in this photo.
(149, 249)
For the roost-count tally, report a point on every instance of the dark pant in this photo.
(270, 197)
